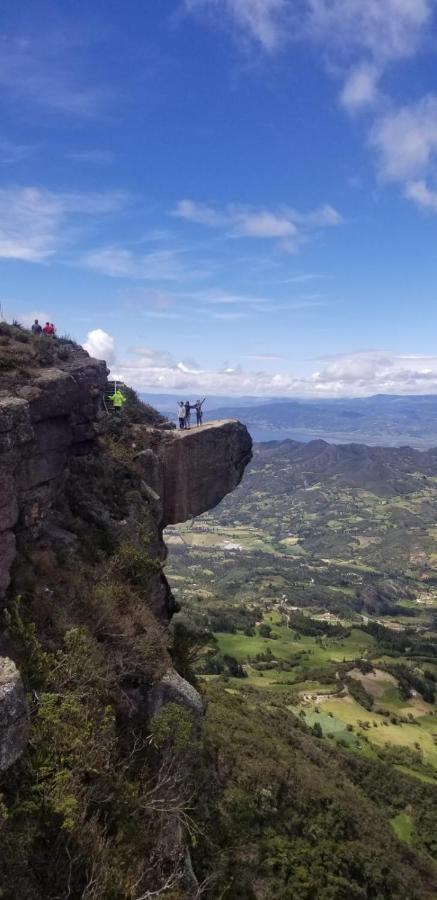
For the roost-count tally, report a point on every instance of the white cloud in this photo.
(265, 225)
(34, 222)
(385, 30)
(406, 140)
(101, 345)
(45, 69)
(189, 368)
(358, 41)
(286, 225)
(122, 262)
(261, 20)
(406, 144)
(371, 372)
(356, 374)
(323, 217)
(200, 213)
(361, 36)
(360, 88)
(422, 195)
(29, 222)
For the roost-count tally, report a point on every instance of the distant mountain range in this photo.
(288, 465)
(380, 420)
(385, 419)
(166, 403)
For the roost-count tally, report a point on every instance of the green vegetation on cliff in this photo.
(96, 805)
(285, 814)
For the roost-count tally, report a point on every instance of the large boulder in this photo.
(172, 688)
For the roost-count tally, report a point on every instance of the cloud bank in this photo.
(286, 225)
(358, 374)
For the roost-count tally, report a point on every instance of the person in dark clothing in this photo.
(36, 327)
(188, 409)
(198, 407)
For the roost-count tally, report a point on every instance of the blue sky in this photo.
(227, 196)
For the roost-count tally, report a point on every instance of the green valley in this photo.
(312, 592)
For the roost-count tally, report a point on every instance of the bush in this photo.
(359, 693)
(134, 564)
(172, 728)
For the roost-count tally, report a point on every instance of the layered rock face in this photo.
(191, 471)
(42, 421)
(50, 415)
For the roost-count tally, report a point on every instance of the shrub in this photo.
(172, 728)
(359, 693)
(134, 564)
(34, 662)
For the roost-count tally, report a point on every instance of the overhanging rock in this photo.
(193, 470)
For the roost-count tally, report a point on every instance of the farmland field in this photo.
(319, 586)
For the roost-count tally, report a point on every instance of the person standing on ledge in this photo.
(198, 407)
(36, 327)
(118, 400)
(181, 414)
(188, 409)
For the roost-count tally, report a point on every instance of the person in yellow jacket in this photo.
(118, 399)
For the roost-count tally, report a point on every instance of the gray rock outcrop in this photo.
(14, 714)
(174, 689)
(42, 422)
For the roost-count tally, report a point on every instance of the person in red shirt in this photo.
(46, 329)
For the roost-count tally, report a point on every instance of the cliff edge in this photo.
(98, 732)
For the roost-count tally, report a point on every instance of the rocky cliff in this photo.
(193, 470)
(84, 497)
(46, 414)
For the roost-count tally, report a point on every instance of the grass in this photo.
(329, 723)
(402, 825)
(406, 735)
(285, 646)
(413, 773)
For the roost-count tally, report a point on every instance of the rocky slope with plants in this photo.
(99, 734)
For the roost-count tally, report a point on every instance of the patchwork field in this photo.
(318, 581)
